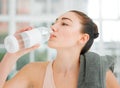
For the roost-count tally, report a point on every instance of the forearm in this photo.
(5, 67)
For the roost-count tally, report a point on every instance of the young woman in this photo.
(73, 34)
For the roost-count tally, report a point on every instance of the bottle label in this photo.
(31, 37)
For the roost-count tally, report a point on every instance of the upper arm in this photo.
(20, 80)
(111, 80)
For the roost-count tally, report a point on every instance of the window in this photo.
(3, 31)
(3, 7)
(106, 13)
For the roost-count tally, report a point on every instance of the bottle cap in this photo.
(11, 44)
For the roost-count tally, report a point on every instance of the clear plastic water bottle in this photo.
(14, 43)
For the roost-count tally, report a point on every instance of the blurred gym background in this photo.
(17, 14)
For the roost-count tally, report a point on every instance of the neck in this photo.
(67, 60)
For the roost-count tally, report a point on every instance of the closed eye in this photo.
(64, 24)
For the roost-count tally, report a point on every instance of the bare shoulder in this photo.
(31, 74)
(35, 68)
(35, 72)
(111, 80)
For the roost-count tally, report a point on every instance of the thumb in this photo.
(27, 50)
(32, 48)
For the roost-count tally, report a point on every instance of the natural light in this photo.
(107, 15)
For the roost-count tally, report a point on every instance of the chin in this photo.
(51, 44)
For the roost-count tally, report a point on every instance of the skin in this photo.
(66, 39)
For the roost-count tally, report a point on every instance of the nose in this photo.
(54, 28)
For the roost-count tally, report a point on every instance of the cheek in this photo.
(68, 38)
(65, 36)
(64, 39)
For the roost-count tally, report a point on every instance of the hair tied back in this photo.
(96, 35)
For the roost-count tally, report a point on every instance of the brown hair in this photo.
(89, 27)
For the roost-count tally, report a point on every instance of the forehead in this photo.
(70, 15)
(76, 24)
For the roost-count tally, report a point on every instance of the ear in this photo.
(84, 38)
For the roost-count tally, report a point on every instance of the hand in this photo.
(24, 51)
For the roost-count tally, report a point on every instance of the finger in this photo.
(33, 47)
(25, 51)
(24, 29)
(29, 28)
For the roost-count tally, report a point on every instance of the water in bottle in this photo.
(14, 43)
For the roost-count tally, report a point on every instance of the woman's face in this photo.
(66, 31)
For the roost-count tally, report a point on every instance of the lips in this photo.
(52, 35)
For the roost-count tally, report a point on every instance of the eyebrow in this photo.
(65, 18)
